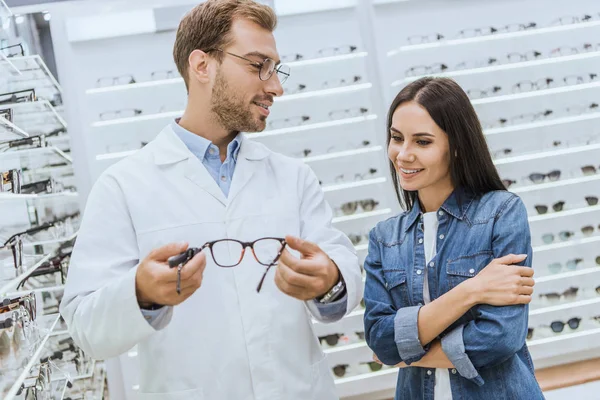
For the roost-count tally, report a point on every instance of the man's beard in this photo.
(231, 111)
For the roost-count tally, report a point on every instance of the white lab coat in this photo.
(226, 342)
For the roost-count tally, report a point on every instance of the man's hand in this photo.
(402, 364)
(502, 284)
(309, 277)
(155, 281)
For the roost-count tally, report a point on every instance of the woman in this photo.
(442, 299)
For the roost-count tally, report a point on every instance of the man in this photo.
(201, 181)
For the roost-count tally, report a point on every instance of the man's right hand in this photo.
(155, 281)
(501, 283)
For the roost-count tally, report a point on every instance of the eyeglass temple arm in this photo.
(269, 267)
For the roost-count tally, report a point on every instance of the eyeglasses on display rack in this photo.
(328, 84)
(373, 365)
(321, 53)
(351, 207)
(479, 93)
(589, 170)
(288, 122)
(11, 181)
(332, 149)
(340, 370)
(427, 38)
(331, 340)
(570, 294)
(543, 209)
(19, 96)
(266, 68)
(266, 251)
(426, 69)
(572, 19)
(549, 238)
(356, 177)
(559, 206)
(357, 239)
(348, 113)
(7, 114)
(122, 113)
(570, 265)
(129, 79)
(30, 142)
(13, 50)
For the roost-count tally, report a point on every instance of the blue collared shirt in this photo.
(222, 173)
(208, 153)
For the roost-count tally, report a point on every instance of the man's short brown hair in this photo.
(208, 26)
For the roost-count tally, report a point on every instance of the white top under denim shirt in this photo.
(442, 390)
(222, 173)
(487, 344)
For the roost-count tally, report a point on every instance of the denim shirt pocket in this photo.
(465, 267)
(395, 283)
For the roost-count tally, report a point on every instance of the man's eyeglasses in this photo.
(266, 68)
(266, 251)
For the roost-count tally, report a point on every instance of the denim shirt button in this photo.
(441, 236)
(431, 264)
(429, 372)
(441, 213)
(420, 241)
(418, 272)
(471, 271)
(454, 371)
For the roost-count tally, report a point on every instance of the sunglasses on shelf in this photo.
(570, 265)
(570, 293)
(20, 96)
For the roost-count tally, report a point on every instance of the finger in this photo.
(305, 247)
(287, 258)
(294, 278)
(162, 253)
(525, 271)
(527, 282)
(289, 289)
(528, 290)
(512, 259)
(524, 299)
(195, 281)
(197, 263)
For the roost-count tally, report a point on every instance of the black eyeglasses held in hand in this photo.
(265, 250)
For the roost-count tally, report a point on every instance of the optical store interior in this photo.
(87, 83)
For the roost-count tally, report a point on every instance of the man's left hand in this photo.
(308, 277)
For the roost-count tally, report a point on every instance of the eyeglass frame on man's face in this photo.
(282, 75)
(180, 260)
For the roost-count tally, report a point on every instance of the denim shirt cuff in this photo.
(406, 334)
(453, 346)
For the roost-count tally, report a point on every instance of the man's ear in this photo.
(198, 66)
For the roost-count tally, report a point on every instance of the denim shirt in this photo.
(487, 344)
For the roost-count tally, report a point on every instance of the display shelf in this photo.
(543, 124)
(342, 154)
(547, 154)
(325, 92)
(535, 93)
(491, 38)
(319, 125)
(38, 155)
(36, 117)
(49, 322)
(10, 285)
(353, 185)
(11, 197)
(34, 74)
(564, 214)
(505, 67)
(362, 215)
(10, 131)
(553, 185)
(367, 383)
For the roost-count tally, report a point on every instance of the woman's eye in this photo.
(423, 142)
(397, 138)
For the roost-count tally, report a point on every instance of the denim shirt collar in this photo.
(456, 205)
